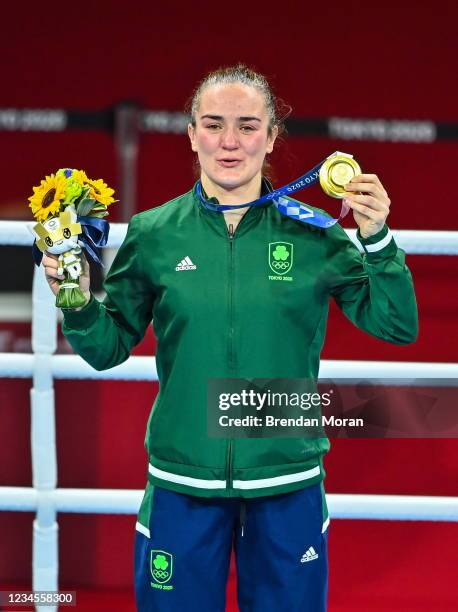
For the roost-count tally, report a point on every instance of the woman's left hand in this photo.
(370, 204)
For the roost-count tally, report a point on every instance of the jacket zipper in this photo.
(231, 339)
(231, 234)
(231, 297)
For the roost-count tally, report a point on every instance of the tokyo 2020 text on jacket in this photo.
(222, 308)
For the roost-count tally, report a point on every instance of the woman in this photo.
(220, 312)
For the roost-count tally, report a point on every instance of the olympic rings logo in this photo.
(280, 265)
(160, 574)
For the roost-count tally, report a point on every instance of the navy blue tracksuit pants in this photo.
(280, 542)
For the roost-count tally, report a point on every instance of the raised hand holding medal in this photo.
(341, 177)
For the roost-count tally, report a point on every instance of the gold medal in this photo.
(336, 172)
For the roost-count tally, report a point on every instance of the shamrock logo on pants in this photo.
(161, 566)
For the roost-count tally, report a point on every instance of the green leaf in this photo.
(85, 206)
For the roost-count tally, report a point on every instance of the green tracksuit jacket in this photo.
(222, 307)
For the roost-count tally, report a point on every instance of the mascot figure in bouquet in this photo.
(69, 208)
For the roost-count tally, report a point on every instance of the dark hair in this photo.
(277, 109)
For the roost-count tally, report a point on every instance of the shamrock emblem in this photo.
(281, 253)
(160, 562)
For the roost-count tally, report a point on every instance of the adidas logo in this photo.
(310, 555)
(186, 264)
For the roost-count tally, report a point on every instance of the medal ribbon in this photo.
(294, 210)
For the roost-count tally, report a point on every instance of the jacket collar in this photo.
(266, 187)
(216, 218)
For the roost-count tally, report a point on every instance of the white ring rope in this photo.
(46, 499)
(416, 242)
(22, 365)
(343, 506)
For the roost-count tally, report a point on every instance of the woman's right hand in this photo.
(50, 264)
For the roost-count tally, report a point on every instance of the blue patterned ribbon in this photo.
(292, 209)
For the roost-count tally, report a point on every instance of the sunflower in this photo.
(79, 176)
(47, 196)
(100, 191)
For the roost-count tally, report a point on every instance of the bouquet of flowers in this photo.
(69, 208)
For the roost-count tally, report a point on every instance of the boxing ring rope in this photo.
(413, 242)
(46, 499)
(342, 506)
(73, 367)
